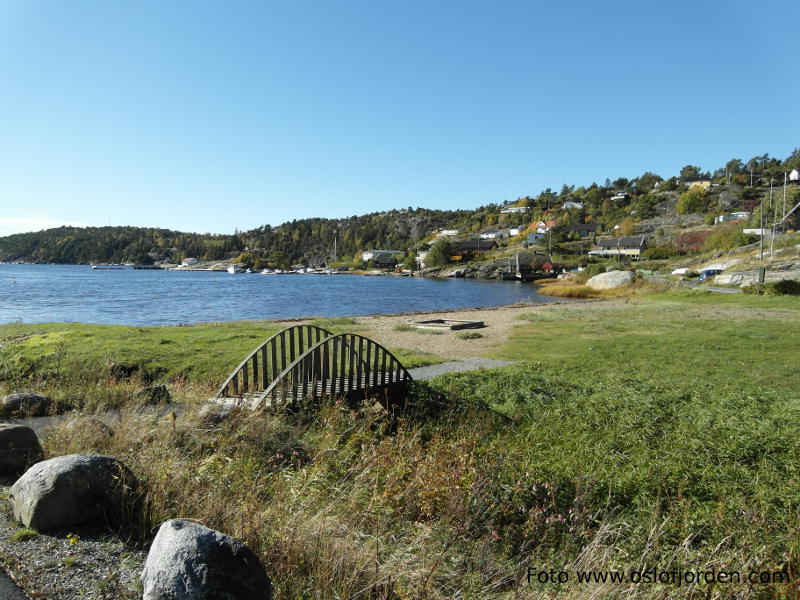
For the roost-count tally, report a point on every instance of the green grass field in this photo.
(658, 432)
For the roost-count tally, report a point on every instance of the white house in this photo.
(491, 234)
(737, 216)
(370, 254)
(514, 231)
(447, 233)
(570, 204)
(421, 259)
(794, 175)
(619, 196)
(513, 210)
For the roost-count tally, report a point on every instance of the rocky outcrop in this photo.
(19, 448)
(612, 279)
(192, 562)
(67, 490)
(25, 404)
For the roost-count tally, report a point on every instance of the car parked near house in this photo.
(709, 273)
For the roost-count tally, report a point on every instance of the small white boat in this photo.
(249, 271)
(267, 272)
(234, 269)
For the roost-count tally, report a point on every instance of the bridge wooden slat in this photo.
(360, 364)
(368, 365)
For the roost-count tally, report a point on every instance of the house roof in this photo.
(583, 227)
(546, 223)
(473, 245)
(634, 240)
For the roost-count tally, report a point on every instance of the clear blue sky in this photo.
(210, 116)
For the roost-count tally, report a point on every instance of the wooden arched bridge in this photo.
(307, 362)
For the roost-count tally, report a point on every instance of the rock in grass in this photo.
(26, 404)
(612, 279)
(192, 562)
(155, 394)
(19, 448)
(76, 488)
(91, 428)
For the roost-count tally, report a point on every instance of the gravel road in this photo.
(457, 366)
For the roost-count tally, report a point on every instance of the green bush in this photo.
(727, 239)
(785, 287)
(661, 252)
(470, 335)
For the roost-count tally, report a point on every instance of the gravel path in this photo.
(457, 366)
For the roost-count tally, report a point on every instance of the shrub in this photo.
(727, 238)
(693, 240)
(785, 287)
(692, 201)
(470, 335)
(661, 252)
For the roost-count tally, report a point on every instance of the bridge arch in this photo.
(308, 362)
(269, 359)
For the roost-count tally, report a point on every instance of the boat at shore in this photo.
(109, 267)
(234, 269)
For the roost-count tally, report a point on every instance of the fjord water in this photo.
(61, 293)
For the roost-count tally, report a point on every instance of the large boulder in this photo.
(19, 448)
(67, 490)
(612, 279)
(192, 562)
(25, 404)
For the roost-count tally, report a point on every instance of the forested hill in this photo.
(735, 186)
(310, 241)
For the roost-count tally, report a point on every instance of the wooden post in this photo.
(264, 376)
(334, 365)
(255, 371)
(283, 351)
(274, 365)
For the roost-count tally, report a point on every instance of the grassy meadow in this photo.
(661, 431)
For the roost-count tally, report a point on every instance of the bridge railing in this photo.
(265, 364)
(336, 366)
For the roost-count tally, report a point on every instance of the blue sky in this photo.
(211, 116)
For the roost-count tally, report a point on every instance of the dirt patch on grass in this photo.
(499, 321)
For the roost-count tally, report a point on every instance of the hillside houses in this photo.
(631, 246)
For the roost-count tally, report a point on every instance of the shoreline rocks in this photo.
(610, 280)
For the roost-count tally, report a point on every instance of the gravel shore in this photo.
(81, 563)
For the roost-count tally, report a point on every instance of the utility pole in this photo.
(761, 231)
(784, 198)
(774, 220)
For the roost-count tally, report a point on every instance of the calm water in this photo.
(55, 293)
